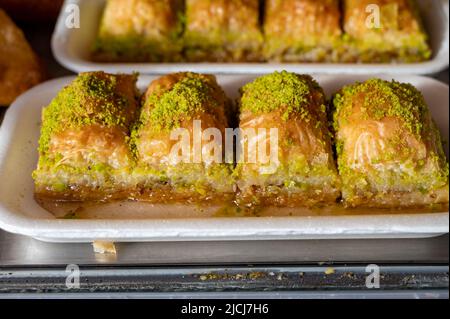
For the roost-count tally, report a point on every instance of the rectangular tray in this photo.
(71, 47)
(19, 213)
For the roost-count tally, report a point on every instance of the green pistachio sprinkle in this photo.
(289, 92)
(91, 98)
(191, 95)
(383, 99)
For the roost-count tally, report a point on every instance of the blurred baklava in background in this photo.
(222, 30)
(302, 30)
(328, 31)
(384, 31)
(140, 31)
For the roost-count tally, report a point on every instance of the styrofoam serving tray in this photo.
(71, 47)
(19, 213)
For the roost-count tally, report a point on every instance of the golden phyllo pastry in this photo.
(300, 170)
(222, 30)
(302, 30)
(139, 31)
(84, 151)
(389, 150)
(20, 68)
(384, 31)
(174, 159)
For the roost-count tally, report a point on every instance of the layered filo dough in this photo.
(302, 30)
(383, 31)
(300, 170)
(140, 31)
(389, 149)
(222, 31)
(171, 164)
(84, 151)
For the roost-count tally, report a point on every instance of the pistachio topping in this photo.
(165, 109)
(383, 99)
(92, 98)
(289, 92)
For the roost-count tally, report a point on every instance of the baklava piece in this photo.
(84, 151)
(174, 161)
(302, 30)
(20, 68)
(389, 149)
(139, 31)
(300, 170)
(222, 31)
(384, 31)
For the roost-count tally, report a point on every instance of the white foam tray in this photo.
(19, 213)
(71, 47)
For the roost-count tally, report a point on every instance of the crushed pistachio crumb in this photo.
(289, 92)
(383, 99)
(92, 98)
(191, 95)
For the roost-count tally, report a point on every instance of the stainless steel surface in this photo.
(19, 250)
